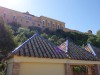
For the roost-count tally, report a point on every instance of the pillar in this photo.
(68, 69)
(89, 70)
(98, 69)
(16, 68)
(71, 70)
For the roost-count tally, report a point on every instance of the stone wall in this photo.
(16, 68)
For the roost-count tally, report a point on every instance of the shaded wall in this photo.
(41, 69)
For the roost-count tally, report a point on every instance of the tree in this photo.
(98, 33)
(76, 69)
(60, 41)
(33, 28)
(6, 38)
(44, 35)
(23, 35)
(15, 26)
(92, 39)
(98, 38)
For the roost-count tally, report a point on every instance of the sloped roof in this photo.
(37, 46)
(95, 49)
(76, 52)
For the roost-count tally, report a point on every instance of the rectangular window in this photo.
(58, 27)
(53, 24)
(29, 18)
(26, 17)
(33, 23)
(43, 22)
(48, 24)
(4, 15)
(14, 17)
(42, 26)
(27, 21)
(38, 24)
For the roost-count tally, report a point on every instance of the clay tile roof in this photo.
(76, 52)
(94, 50)
(37, 46)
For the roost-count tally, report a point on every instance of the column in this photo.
(68, 69)
(98, 69)
(16, 68)
(89, 70)
(71, 70)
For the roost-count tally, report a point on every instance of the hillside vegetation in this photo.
(13, 34)
(57, 37)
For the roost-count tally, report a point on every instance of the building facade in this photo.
(26, 19)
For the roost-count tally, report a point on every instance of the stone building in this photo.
(26, 19)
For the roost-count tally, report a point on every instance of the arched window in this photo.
(14, 17)
(4, 15)
(43, 22)
(58, 26)
(53, 24)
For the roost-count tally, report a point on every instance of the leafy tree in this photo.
(98, 33)
(15, 26)
(6, 38)
(3, 68)
(61, 40)
(23, 35)
(98, 39)
(36, 29)
(76, 69)
(44, 35)
(95, 40)
(92, 39)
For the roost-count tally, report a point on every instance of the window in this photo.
(48, 24)
(33, 23)
(42, 26)
(58, 27)
(14, 17)
(40, 21)
(25, 17)
(27, 21)
(4, 15)
(28, 18)
(38, 24)
(43, 22)
(53, 24)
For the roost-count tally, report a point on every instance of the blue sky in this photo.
(82, 15)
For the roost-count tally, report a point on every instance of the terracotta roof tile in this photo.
(95, 49)
(37, 46)
(76, 52)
